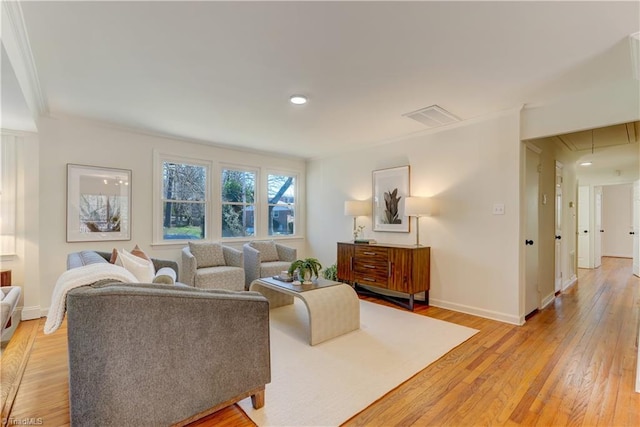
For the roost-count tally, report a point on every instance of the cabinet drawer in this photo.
(377, 275)
(371, 266)
(367, 252)
(370, 279)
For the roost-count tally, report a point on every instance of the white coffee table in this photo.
(333, 307)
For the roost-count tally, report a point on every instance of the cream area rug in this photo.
(327, 384)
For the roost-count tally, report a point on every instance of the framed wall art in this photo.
(98, 203)
(390, 187)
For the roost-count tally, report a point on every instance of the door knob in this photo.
(602, 231)
(528, 242)
(558, 237)
(585, 231)
(632, 232)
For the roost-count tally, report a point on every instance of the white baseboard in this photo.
(569, 283)
(30, 313)
(548, 300)
(487, 314)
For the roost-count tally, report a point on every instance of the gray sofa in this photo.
(78, 259)
(153, 354)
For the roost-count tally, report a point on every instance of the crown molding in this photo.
(15, 39)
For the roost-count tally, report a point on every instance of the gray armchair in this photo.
(266, 258)
(208, 265)
(142, 354)
(9, 297)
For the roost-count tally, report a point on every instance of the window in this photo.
(8, 195)
(238, 189)
(281, 192)
(184, 200)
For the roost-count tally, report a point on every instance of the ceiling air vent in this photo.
(432, 116)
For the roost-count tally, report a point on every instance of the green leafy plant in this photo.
(308, 265)
(331, 273)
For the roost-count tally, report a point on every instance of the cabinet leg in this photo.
(426, 297)
(411, 302)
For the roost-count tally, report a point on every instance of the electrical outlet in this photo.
(498, 208)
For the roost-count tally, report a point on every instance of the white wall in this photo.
(68, 140)
(604, 105)
(466, 169)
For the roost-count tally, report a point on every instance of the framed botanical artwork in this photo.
(390, 187)
(98, 203)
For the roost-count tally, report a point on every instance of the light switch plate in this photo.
(498, 208)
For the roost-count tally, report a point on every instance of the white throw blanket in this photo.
(75, 278)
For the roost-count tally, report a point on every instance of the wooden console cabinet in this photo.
(396, 268)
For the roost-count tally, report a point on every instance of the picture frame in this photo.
(98, 203)
(390, 187)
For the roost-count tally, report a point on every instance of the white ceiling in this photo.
(222, 72)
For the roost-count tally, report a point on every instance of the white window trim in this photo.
(158, 159)
(257, 223)
(8, 189)
(296, 204)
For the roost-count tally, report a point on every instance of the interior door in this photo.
(558, 252)
(597, 228)
(617, 220)
(532, 294)
(583, 227)
(636, 231)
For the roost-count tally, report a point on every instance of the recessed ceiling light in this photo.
(586, 163)
(298, 99)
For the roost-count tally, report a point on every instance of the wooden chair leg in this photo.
(257, 400)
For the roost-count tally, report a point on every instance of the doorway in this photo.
(532, 185)
(558, 233)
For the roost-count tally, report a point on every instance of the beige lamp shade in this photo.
(357, 208)
(417, 206)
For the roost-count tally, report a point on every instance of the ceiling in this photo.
(222, 72)
(590, 140)
(613, 153)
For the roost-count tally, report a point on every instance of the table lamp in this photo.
(356, 208)
(417, 207)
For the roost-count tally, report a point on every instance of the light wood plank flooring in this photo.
(571, 364)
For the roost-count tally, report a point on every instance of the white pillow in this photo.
(139, 267)
(165, 276)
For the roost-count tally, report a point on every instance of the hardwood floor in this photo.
(573, 363)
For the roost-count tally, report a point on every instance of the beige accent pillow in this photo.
(136, 251)
(267, 249)
(207, 254)
(140, 253)
(141, 268)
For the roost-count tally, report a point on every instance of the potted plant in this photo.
(307, 269)
(331, 273)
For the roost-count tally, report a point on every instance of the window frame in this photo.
(257, 214)
(158, 198)
(296, 205)
(8, 194)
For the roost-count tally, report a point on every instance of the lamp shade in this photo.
(357, 208)
(417, 206)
